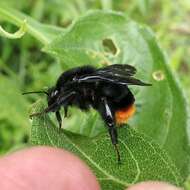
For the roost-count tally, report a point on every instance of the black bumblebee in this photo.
(105, 89)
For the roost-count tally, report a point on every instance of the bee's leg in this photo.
(56, 105)
(108, 116)
(59, 119)
(61, 101)
(50, 108)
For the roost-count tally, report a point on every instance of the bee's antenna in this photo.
(35, 92)
(37, 114)
(46, 110)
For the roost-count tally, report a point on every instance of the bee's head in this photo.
(52, 95)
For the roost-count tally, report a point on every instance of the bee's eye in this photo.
(55, 92)
(75, 78)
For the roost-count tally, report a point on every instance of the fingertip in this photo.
(153, 185)
(46, 168)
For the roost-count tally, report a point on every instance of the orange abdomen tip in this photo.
(124, 114)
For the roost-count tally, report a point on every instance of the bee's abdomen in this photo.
(122, 115)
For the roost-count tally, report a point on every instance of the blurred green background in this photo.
(24, 67)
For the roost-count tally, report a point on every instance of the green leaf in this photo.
(171, 129)
(14, 123)
(161, 122)
(12, 104)
(187, 183)
(143, 6)
(142, 159)
(18, 34)
(163, 114)
(44, 33)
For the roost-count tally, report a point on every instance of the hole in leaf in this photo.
(109, 46)
(158, 75)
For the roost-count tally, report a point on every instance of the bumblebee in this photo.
(104, 89)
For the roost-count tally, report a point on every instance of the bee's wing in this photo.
(118, 69)
(110, 77)
(118, 74)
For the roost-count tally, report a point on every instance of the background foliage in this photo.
(24, 67)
